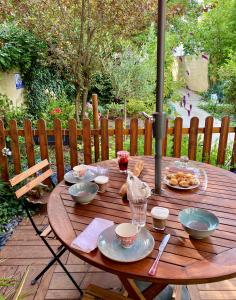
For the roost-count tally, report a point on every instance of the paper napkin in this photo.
(87, 240)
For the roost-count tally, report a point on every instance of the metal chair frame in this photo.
(22, 191)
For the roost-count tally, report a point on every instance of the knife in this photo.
(162, 246)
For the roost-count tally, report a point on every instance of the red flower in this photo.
(56, 110)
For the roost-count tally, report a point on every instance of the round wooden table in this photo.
(185, 260)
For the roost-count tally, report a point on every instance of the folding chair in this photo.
(41, 172)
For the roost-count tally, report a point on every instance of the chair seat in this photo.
(96, 292)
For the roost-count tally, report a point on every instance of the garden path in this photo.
(194, 100)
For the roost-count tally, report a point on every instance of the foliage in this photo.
(40, 83)
(10, 207)
(216, 88)
(75, 32)
(219, 110)
(114, 110)
(19, 48)
(58, 108)
(5, 106)
(8, 111)
(102, 86)
(227, 73)
(136, 106)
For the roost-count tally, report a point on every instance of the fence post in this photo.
(29, 143)
(177, 137)
(3, 159)
(87, 141)
(59, 150)
(43, 139)
(119, 134)
(15, 146)
(43, 144)
(72, 125)
(206, 151)
(133, 136)
(148, 137)
(95, 126)
(224, 131)
(104, 139)
(192, 142)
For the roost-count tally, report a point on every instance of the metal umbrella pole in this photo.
(159, 116)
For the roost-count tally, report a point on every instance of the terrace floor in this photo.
(26, 249)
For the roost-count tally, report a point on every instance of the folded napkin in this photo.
(87, 240)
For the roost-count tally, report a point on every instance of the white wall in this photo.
(8, 87)
(193, 70)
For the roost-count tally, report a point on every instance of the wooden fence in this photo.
(98, 139)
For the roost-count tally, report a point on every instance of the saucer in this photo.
(110, 247)
(89, 176)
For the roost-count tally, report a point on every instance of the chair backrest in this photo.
(35, 181)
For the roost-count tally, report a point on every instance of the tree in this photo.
(75, 30)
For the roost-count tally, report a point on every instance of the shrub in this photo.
(38, 82)
(227, 73)
(114, 110)
(135, 106)
(9, 112)
(102, 86)
(19, 48)
(58, 108)
(10, 207)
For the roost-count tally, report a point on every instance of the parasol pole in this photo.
(158, 116)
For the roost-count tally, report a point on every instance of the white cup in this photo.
(159, 217)
(126, 233)
(80, 171)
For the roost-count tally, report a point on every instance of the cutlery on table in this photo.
(162, 246)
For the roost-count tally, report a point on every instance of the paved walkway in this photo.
(194, 100)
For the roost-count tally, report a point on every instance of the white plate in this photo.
(110, 247)
(177, 187)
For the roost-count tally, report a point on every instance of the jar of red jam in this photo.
(123, 159)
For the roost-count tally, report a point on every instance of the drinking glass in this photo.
(138, 212)
(123, 159)
(184, 160)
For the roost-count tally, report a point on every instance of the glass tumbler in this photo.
(123, 159)
(138, 212)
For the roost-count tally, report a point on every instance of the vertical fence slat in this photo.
(15, 146)
(164, 141)
(148, 137)
(29, 143)
(87, 142)
(233, 160)
(134, 136)
(192, 142)
(224, 132)
(119, 134)
(206, 152)
(43, 139)
(3, 159)
(104, 139)
(177, 137)
(95, 126)
(43, 144)
(73, 142)
(59, 150)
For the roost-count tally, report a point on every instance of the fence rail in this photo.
(95, 141)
